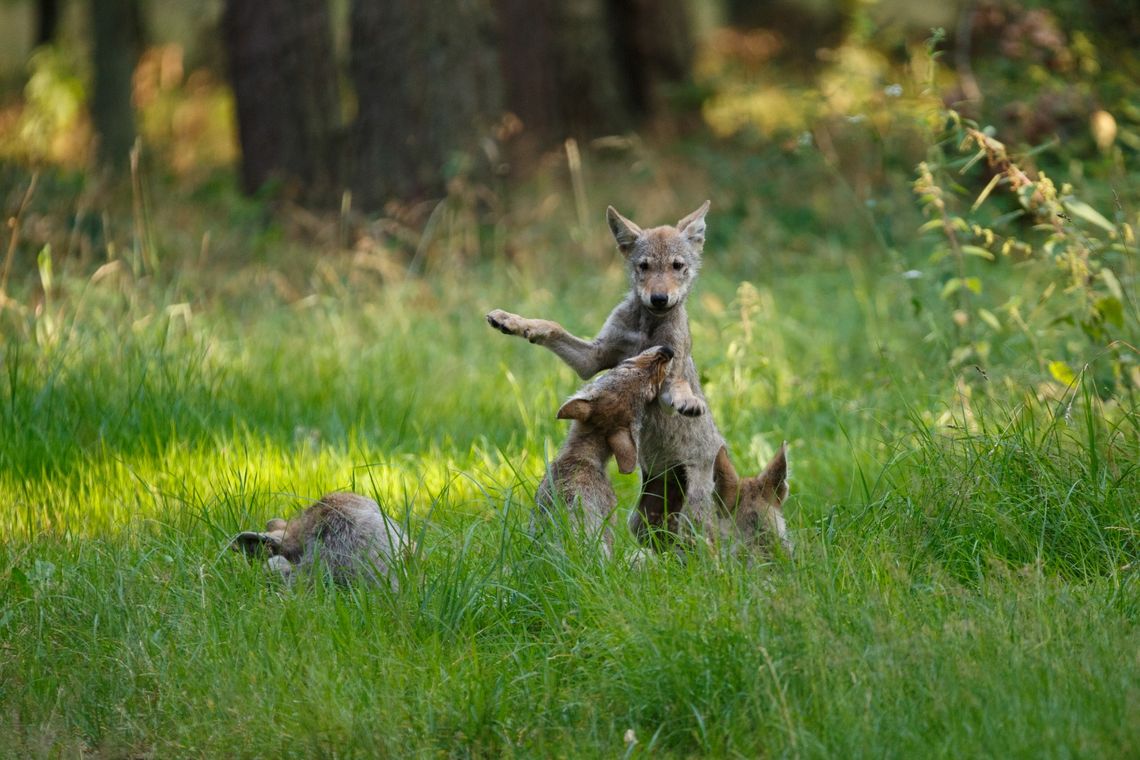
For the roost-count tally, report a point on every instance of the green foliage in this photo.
(50, 126)
(964, 576)
(1078, 298)
(960, 406)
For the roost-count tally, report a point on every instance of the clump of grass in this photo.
(1034, 486)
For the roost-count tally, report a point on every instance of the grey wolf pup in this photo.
(753, 508)
(343, 533)
(606, 418)
(663, 263)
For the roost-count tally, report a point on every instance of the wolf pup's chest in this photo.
(672, 331)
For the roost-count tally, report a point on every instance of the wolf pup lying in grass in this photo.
(344, 534)
(607, 415)
(674, 450)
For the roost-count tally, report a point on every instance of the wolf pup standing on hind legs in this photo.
(607, 417)
(677, 451)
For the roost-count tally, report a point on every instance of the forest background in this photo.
(247, 253)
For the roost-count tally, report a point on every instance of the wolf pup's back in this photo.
(344, 534)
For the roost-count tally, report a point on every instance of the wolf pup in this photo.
(344, 533)
(674, 450)
(752, 508)
(606, 417)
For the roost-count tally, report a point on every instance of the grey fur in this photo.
(342, 533)
(606, 418)
(663, 263)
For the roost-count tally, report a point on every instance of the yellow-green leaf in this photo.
(1088, 213)
(44, 262)
(1111, 310)
(1112, 283)
(1062, 373)
(986, 193)
(977, 250)
(989, 318)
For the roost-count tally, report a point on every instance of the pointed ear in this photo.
(775, 475)
(625, 450)
(575, 409)
(625, 232)
(253, 544)
(726, 481)
(693, 226)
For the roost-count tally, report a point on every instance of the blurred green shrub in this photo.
(51, 126)
(1077, 298)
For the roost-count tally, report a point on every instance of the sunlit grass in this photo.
(963, 581)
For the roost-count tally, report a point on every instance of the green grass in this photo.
(964, 582)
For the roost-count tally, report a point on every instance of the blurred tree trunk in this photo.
(560, 69)
(654, 42)
(430, 80)
(117, 38)
(47, 21)
(804, 25)
(584, 68)
(284, 79)
(427, 91)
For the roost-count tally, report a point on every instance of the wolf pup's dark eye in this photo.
(678, 266)
(643, 266)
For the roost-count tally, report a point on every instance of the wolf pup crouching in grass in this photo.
(753, 508)
(606, 417)
(343, 533)
(674, 450)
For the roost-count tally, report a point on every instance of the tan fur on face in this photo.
(663, 261)
(606, 416)
(615, 399)
(755, 504)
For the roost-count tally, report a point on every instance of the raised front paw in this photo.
(690, 406)
(505, 322)
(534, 330)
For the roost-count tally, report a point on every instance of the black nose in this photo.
(658, 299)
(666, 351)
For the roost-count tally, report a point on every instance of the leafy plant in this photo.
(1077, 262)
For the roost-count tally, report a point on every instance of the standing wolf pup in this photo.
(344, 533)
(607, 416)
(674, 450)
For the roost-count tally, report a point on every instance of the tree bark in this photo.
(427, 92)
(585, 68)
(283, 74)
(47, 21)
(654, 44)
(560, 70)
(117, 41)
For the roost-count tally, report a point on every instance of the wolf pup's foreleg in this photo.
(587, 358)
(679, 395)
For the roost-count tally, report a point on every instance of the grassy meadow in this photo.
(180, 367)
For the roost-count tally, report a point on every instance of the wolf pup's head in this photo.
(613, 404)
(663, 261)
(757, 503)
(268, 544)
